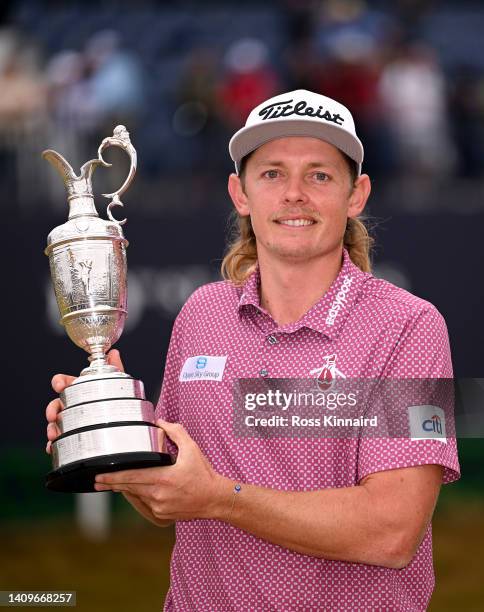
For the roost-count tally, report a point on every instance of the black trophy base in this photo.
(78, 476)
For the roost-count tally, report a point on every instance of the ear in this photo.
(359, 196)
(238, 196)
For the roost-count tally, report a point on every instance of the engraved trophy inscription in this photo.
(107, 424)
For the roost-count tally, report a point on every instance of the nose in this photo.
(294, 192)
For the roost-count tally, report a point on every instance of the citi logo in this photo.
(339, 300)
(433, 424)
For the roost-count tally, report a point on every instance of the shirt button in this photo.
(263, 372)
(272, 340)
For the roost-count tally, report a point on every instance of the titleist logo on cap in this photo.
(286, 108)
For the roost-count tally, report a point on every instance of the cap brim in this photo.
(250, 138)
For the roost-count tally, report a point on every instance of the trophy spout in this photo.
(79, 188)
(59, 162)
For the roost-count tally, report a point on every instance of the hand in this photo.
(187, 490)
(59, 383)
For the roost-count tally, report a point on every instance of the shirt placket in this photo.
(268, 341)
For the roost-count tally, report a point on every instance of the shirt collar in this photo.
(329, 313)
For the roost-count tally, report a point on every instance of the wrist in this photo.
(222, 498)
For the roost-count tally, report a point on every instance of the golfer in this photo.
(301, 523)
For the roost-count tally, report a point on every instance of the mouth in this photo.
(300, 222)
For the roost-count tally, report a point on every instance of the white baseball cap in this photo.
(298, 113)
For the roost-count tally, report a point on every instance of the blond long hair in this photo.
(241, 257)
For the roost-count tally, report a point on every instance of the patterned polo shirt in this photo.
(362, 327)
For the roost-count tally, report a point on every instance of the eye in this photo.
(271, 174)
(321, 177)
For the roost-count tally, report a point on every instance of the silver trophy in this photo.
(106, 425)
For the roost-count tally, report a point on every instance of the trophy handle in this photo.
(120, 138)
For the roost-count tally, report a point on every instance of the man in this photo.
(303, 523)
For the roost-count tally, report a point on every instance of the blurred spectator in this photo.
(90, 92)
(22, 111)
(196, 118)
(467, 116)
(115, 79)
(199, 79)
(351, 74)
(70, 102)
(414, 94)
(22, 103)
(334, 18)
(302, 63)
(190, 102)
(72, 113)
(249, 80)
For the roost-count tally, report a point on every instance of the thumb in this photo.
(175, 431)
(114, 358)
(61, 381)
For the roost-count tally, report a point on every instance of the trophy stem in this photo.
(98, 363)
(97, 358)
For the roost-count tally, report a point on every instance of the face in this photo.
(299, 196)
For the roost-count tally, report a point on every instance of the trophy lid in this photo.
(84, 221)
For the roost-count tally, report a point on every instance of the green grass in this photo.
(129, 570)
(41, 547)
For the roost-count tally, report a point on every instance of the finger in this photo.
(48, 447)
(53, 409)
(176, 432)
(114, 358)
(136, 499)
(61, 381)
(146, 476)
(143, 491)
(53, 432)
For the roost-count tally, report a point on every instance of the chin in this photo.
(296, 253)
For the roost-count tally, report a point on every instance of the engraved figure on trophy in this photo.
(85, 268)
(107, 424)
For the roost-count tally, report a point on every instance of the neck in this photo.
(290, 289)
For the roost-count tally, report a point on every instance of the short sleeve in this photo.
(167, 407)
(422, 351)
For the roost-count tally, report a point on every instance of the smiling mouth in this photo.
(295, 222)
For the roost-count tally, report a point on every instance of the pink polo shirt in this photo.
(362, 327)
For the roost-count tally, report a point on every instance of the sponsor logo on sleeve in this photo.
(203, 367)
(427, 422)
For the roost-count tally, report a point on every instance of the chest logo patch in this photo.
(326, 375)
(203, 367)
